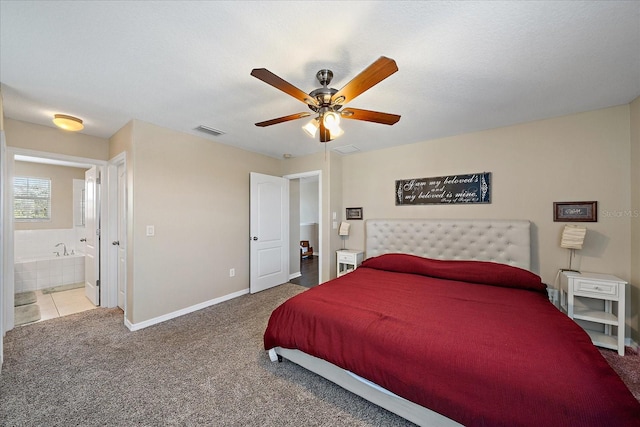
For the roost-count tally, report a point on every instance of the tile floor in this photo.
(63, 303)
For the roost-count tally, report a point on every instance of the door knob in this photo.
(255, 238)
(116, 243)
(83, 240)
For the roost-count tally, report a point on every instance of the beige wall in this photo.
(580, 157)
(329, 164)
(122, 141)
(61, 193)
(635, 216)
(335, 188)
(1, 113)
(196, 194)
(52, 140)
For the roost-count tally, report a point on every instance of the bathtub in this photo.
(33, 274)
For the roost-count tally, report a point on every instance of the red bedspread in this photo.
(481, 354)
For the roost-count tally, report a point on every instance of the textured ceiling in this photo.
(463, 66)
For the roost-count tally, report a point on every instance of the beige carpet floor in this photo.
(207, 368)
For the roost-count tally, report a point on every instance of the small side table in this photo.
(348, 260)
(576, 287)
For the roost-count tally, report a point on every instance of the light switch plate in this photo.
(151, 230)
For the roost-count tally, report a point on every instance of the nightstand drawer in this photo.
(598, 289)
(342, 257)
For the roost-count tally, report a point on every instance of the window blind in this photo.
(31, 199)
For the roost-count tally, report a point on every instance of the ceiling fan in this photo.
(328, 103)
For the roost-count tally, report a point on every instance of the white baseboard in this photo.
(294, 275)
(141, 325)
(631, 343)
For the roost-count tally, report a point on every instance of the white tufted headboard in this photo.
(497, 240)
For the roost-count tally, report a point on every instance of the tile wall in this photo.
(42, 243)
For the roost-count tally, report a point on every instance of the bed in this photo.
(444, 325)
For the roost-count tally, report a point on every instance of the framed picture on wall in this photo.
(354, 213)
(575, 211)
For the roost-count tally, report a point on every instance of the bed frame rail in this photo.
(366, 389)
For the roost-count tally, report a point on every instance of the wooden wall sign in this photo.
(441, 190)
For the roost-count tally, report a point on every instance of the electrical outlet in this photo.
(232, 272)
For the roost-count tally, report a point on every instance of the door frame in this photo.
(111, 195)
(3, 239)
(317, 173)
(8, 285)
(93, 200)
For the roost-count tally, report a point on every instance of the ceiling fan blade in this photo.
(283, 119)
(370, 76)
(325, 134)
(369, 116)
(271, 79)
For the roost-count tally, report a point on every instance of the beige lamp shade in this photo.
(573, 236)
(344, 229)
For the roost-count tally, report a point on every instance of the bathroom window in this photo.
(31, 199)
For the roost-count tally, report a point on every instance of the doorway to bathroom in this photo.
(68, 274)
(51, 219)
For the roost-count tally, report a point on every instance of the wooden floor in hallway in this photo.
(309, 270)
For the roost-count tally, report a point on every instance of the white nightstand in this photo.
(348, 260)
(575, 290)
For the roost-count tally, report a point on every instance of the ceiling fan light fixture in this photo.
(327, 102)
(311, 128)
(331, 120)
(335, 132)
(69, 123)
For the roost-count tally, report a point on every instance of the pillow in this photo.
(483, 272)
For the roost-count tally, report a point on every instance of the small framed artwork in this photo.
(575, 211)
(354, 213)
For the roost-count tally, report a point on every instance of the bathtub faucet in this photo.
(64, 247)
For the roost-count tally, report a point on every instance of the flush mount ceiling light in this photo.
(70, 123)
(327, 102)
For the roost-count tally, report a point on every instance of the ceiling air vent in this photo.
(346, 149)
(210, 130)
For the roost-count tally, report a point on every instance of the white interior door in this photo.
(122, 236)
(92, 224)
(269, 229)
